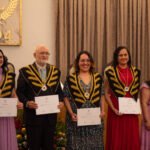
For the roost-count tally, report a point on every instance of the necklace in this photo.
(125, 80)
(87, 90)
(86, 87)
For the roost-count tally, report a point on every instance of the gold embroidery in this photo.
(32, 74)
(111, 73)
(5, 94)
(77, 94)
(97, 86)
(74, 87)
(134, 92)
(135, 86)
(6, 88)
(7, 85)
(95, 100)
(72, 81)
(37, 84)
(114, 79)
(96, 75)
(97, 79)
(79, 100)
(136, 79)
(51, 84)
(95, 93)
(29, 72)
(118, 86)
(54, 78)
(120, 92)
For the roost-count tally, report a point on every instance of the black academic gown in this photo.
(29, 86)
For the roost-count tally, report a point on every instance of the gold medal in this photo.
(126, 89)
(87, 95)
(44, 88)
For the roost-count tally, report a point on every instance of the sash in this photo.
(32, 77)
(78, 94)
(7, 84)
(118, 87)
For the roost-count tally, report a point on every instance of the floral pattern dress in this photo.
(82, 137)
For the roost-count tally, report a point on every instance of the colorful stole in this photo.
(32, 76)
(78, 94)
(7, 84)
(118, 87)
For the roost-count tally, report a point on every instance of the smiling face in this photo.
(84, 63)
(123, 57)
(1, 59)
(41, 55)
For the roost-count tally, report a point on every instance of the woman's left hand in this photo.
(61, 105)
(147, 125)
(102, 114)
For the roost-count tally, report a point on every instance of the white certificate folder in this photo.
(47, 104)
(88, 116)
(8, 107)
(129, 105)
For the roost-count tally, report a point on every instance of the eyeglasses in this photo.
(44, 53)
(85, 60)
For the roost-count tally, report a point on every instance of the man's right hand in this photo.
(31, 105)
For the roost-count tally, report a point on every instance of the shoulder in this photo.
(71, 78)
(109, 68)
(98, 77)
(24, 68)
(97, 74)
(53, 67)
(109, 71)
(72, 75)
(135, 68)
(11, 67)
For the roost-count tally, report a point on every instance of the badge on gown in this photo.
(44, 88)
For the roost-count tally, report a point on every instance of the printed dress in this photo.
(83, 137)
(145, 134)
(8, 140)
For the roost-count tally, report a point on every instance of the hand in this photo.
(117, 112)
(102, 114)
(74, 117)
(19, 105)
(61, 105)
(147, 125)
(32, 105)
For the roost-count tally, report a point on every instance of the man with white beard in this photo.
(39, 79)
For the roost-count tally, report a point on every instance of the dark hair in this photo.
(5, 60)
(116, 53)
(76, 64)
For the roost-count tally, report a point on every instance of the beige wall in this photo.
(37, 28)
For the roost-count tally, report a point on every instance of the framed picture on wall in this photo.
(10, 22)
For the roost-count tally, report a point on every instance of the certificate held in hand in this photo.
(8, 107)
(88, 116)
(129, 105)
(47, 104)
